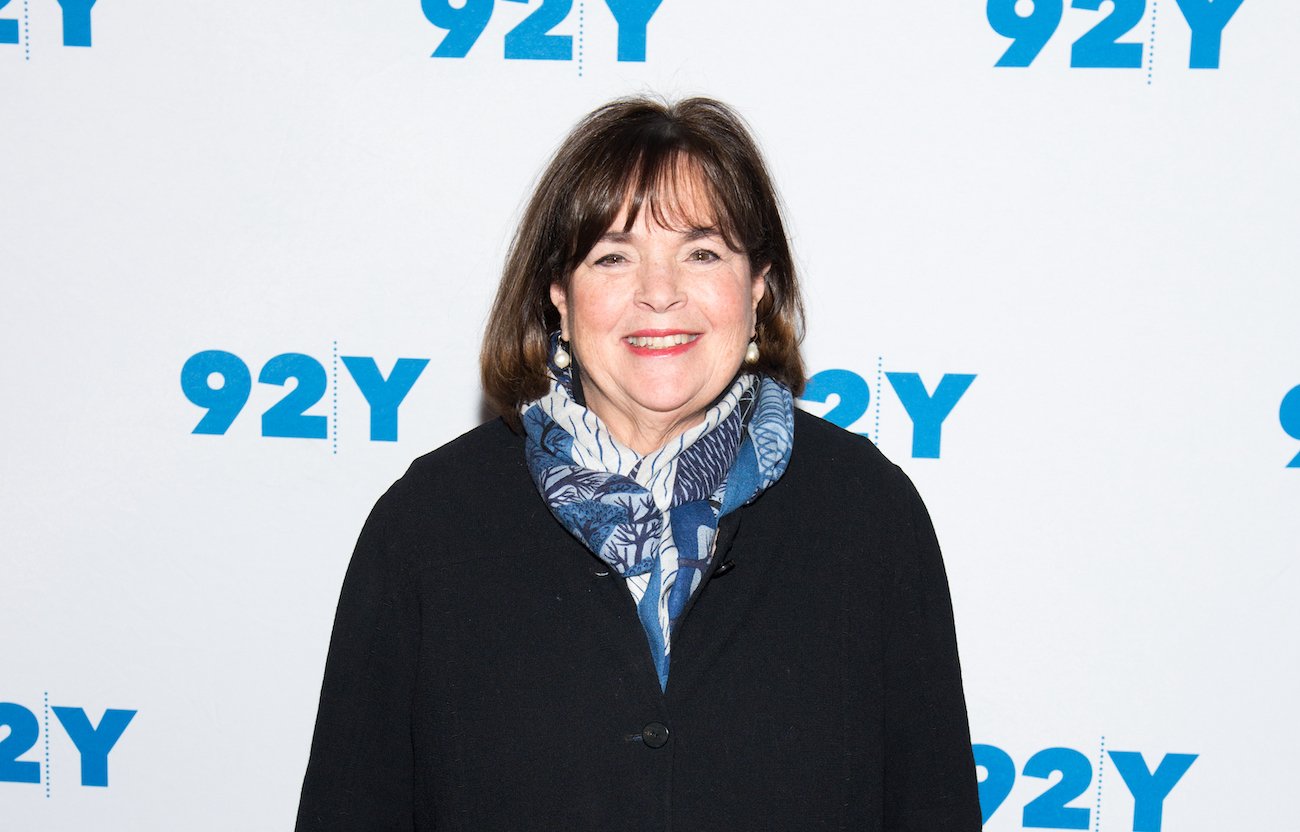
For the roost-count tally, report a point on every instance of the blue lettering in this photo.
(1149, 789)
(288, 417)
(463, 24)
(1100, 47)
(222, 403)
(76, 22)
(1289, 415)
(1206, 19)
(1029, 34)
(23, 731)
(530, 39)
(384, 395)
(999, 777)
(8, 28)
(1049, 809)
(927, 411)
(94, 743)
(632, 16)
(851, 389)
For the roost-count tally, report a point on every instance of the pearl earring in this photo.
(752, 353)
(562, 358)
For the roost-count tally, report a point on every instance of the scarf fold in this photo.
(653, 519)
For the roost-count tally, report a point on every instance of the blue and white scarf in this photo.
(653, 519)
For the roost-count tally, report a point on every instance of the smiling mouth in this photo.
(660, 342)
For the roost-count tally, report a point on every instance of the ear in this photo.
(559, 299)
(758, 288)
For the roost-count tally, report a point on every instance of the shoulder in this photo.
(470, 496)
(484, 465)
(842, 492)
(817, 436)
(838, 459)
(838, 484)
(474, 460)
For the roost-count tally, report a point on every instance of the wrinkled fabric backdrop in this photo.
(248, 250)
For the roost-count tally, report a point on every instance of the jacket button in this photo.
(655, 734)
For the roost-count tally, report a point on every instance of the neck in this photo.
(648, 436)
(645, 435)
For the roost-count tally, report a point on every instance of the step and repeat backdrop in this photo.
(1050, 256)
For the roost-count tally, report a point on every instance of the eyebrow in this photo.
(690, 235)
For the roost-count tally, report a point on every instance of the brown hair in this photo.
(632, 152)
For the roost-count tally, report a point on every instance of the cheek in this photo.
(593, 313)
(733, 308)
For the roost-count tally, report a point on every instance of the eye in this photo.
(704, 255)
(611, 260)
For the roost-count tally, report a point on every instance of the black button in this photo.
(655, 734)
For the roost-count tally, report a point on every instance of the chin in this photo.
(663, 397)
(667, 404)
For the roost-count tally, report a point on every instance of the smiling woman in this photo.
(558, 621)
(635, 176)
(661, 318)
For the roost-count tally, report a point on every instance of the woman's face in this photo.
(658, 320)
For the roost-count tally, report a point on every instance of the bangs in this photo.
(678, 195)
(678, 189)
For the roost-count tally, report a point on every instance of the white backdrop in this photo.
(1110, 252)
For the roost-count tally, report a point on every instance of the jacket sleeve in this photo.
(929, 777)
(360, 772)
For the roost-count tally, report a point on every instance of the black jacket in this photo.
(487, 672)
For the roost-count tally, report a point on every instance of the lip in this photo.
(660, 333)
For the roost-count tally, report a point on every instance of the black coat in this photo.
(487, 672)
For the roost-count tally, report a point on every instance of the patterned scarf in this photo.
(653, 519)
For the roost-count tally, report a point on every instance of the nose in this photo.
(661, 288)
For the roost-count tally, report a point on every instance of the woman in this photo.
(652, 595)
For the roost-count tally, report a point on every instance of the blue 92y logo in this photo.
(1030, 24)
(76, 23)
(531, 38)
(289, 417)
(1149, 788)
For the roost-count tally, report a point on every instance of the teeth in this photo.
(660, 342)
